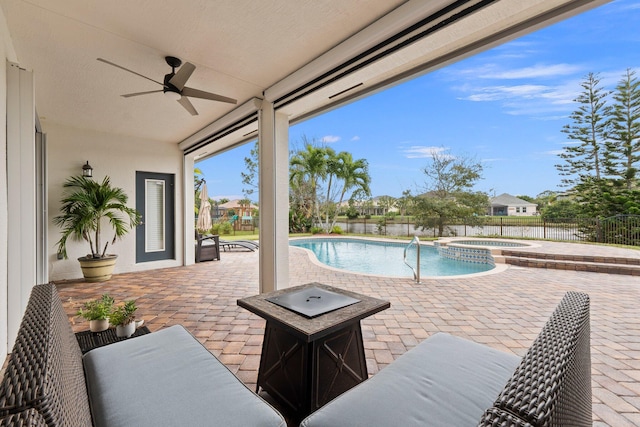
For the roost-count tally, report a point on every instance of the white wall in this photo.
(517, 210)
(119, 157)
(3, 194)
(7, 53)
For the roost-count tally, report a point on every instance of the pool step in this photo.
(596, 264)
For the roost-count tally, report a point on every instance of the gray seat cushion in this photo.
(444, 381)
(167, 378)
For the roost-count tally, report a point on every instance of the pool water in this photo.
(385, 258)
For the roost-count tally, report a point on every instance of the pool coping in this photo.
(499, 267)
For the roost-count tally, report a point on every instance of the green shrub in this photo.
(352, 213)
(225, 228)
(336, 229)
(316, 230)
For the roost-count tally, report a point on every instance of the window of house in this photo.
(524, 209)
(518, 209)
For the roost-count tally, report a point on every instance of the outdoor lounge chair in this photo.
(207, 247)
(248, 244)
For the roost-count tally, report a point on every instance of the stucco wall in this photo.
(3, 191)
(119, 157)
(514, 211)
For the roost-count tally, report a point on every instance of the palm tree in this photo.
(310, 165)
(85, 205)
(354, 175)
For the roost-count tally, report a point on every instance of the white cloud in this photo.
(543, 91)
(355, 138)
(422, 152)
(625, 6)
(496, 93)
(540, 101)
(498, 71)
(536, 71)
(329, 139)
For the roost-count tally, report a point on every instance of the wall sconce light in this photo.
(87, 170)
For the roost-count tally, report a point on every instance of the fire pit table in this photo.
(312, 349)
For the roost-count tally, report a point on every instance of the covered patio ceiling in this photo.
(305, 56)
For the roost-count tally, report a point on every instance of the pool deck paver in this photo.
(504, 310)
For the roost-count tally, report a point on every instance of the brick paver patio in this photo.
(504, 310)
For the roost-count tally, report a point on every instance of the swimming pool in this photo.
(385, 258)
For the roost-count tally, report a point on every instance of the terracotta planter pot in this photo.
(98, 325)
(98, 269)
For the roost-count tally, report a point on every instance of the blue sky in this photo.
(504, 107)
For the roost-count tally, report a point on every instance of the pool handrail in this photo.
(416, 271)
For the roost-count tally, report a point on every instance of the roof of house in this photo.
(508, 200)
(234, 204)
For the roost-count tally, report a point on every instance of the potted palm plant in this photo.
(123, 318)
(87, 208)
(97, 312)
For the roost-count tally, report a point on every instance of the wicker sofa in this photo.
(166, 378)
(449, 381)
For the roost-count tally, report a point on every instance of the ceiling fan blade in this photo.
(183, 74)
(184, 101)
(129, 95)
(126, 69)
(195, 93)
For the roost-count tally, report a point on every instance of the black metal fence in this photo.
(622, 229)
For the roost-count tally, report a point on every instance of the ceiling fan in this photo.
(174, 85)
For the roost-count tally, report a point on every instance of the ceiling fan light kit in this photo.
(174, 85)
(174, 96)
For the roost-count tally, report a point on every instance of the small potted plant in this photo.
(123, 318)
(97, 312)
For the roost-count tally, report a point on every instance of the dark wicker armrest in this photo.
(45, 371)
(552, 384)
(28, 418)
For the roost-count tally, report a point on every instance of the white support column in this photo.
(189, 201)
(274, 198)
(21, 194)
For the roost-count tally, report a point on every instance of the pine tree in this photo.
(588, 129)
(623, 147)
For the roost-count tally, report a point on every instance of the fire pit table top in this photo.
(344, 307)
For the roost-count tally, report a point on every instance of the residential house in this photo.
(239, 212)
(508, 205)
(282, 61)
(379, 205)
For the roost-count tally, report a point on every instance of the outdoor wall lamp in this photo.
(87, 170)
